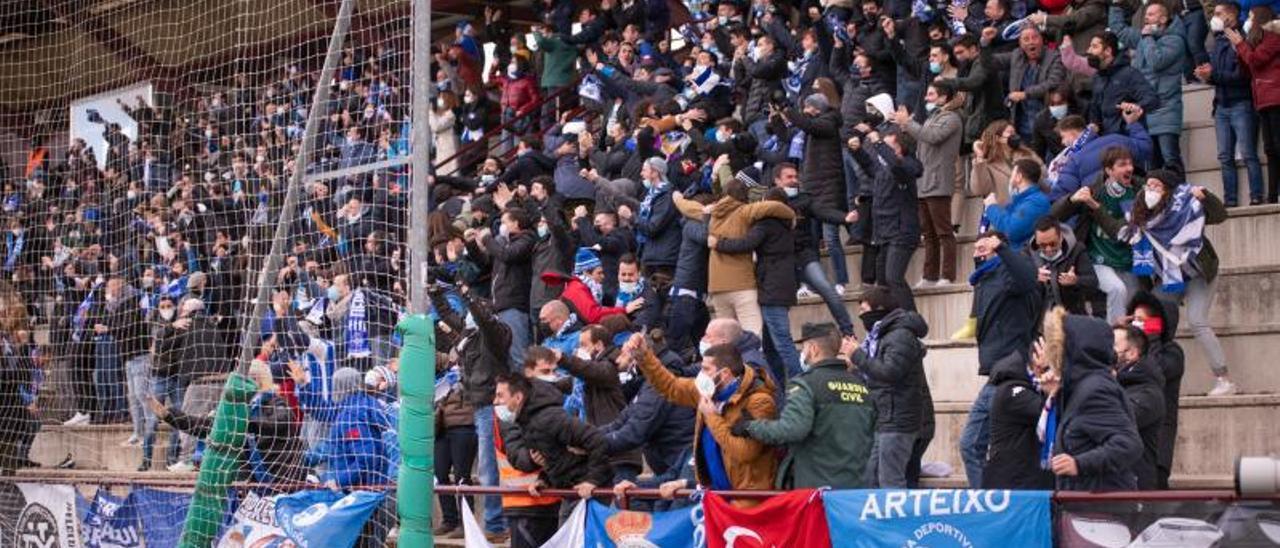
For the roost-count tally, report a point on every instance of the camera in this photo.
(1257, 476)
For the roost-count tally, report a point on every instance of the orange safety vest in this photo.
(508, 476)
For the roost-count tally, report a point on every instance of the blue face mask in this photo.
(333, 293)
(935, 67)
(543, 231)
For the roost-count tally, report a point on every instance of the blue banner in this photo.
(939, 518)
(608, 527)
(112, 522)
(325, 518)
(165, 512)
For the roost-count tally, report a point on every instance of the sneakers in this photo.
(924, 283)
(967, 332)
(67, 463)
(497, 538)
(840, 290)
(1223, 387)
(805, 293)
(133, 441)
(943, 281)
(77, 420)
(181, 467)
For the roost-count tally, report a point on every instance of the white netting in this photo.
(146, 154)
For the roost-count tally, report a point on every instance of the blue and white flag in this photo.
(608, 527)
(112, 522)
(358, 326)
(939, 517)
(166, 511)
(324, 518)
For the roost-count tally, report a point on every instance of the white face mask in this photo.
(930, 107)
(166, 314)
(583, 354)
(1152, 197)
(1248, 25)
(722, 136)
(503, 230)
(505, 414)
(1058, 112)
(1051, 258)
(791, 191)
(470, 321)
(703, 346)
(705, 384)
(628, 287)
(1216, 25)
(550, 377)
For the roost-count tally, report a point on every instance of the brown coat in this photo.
(732, 219)
(750, 464)
(988, 177)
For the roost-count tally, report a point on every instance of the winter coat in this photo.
(1049, 74)
(526, 166)
(986, 102)
(558, 59)
(602, 397)
(1161, 57)
(828, 426)
(511, 258)
(808, 210)
(661, 231)
(1052, 293)
(1006, 304)
(445, 139)
(579, 298)
(748, 463)
(483, 352)
(551, 254)
(895, 374)
(895, 216)
(1119, 83)
(1168, 354)
(822, 174)
(1263, 61)
(195, 351)
(1095, 421)
(662, 429)
(854, 92)
(355, 451)
(1082, 20)
(691, 270)
(939, 145)
(770, 241)
(125, 324)
(761, 79)
(1013, 457)
(1086, 165)
(1230, 76)
(1017, 219)
(731, 219)
(1144, 387)
(519, 95)
(548, 429)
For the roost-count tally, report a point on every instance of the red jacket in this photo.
(1263, 61)
(519, 94)
(580, 299)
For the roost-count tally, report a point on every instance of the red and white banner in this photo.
(794, 519)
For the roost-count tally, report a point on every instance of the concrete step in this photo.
(1197, 104)
(95, 447)
(1212, 433)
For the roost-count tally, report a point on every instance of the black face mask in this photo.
(545, 330)
(1015, 142)
(1095, 62)
(870, 318)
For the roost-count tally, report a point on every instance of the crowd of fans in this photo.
(613, 268)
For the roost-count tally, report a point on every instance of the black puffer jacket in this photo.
(1144, 387)
(775, 257)
(895, 374)
(894, 211)
(1013, 460)
(822, 174)
(1169, 354)
(512, 262)
(854, 92)
(761, 79)
(1006, 301)
(1095, 424)
(483, 351)
(549, 430)
(663, 429)
(602, 396)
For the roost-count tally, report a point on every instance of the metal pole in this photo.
(266, 277)
(420, 147)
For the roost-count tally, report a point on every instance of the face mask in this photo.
(722, 20)
(469, 98)
(1095, 62)
(628, 287)
(513, 72)
(1216, 25)
(439, 105)
(166, 314)
(1248, 25)
(705, 385)
(1015, 142)
(333, 294)
(583, 354)
(1152, 198)
(545, 329)
(722, 136)
(703, 347)
(647, 185)
(470, 321)
(131, 195)
(1050, 258)
(543, 231)
(504, 231)
(148, 282)
(930, 107)
(1058, 112)
(551, 378)
(505, 414)
(935, 67)
(792, 192)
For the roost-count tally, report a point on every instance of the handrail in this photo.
(489, 144)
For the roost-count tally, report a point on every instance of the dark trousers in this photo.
(686, 320)
(1270, 121)
(455, 452)
(532, 531)
(866, 232)
(891, 271)
(939, 238)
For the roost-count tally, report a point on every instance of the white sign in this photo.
(104, 104)
(48, 518)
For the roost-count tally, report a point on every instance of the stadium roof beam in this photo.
(87, 16)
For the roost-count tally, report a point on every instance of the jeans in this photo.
(977, 436)
(813, 276)
(839, 261)
(891, 271)
(521, 338)
(890, 454)
(109, 381)
(1119, 288)
(170, 391)
(1237, 130)
(687, 317)
(455, 452)
(777, 325)
(1199, 296)
(741, 305)
(1167, 153)
(138, 373)
(487, 466)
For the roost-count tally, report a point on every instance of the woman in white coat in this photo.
(444, 137)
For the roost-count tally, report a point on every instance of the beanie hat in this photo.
(585, 260)
(346, 381)
(659, 164)
(1170, 179)
(817, 100)
(380, 372)
(749, 176)
(883, 103)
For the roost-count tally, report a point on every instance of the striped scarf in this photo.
(871, 344)
(1060, 161)
(357, 334)
(795, 76)
(1168, 245)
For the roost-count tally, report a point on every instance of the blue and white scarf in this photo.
(703, 82)
(1059, 162)
(982, 270)
(871, 344)
(1047, 432)
(82, 315)
(795, 75)
(1168, 245)
(176, 287)
(796, 149)
(357, 333)
(597, 290)
(625, 298)
(446, 382)
(646, 209)
(14, 245)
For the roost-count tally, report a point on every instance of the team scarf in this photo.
(711, 448)
(646, 208)
(357, 335)
(1169, 243)
(176, 287)
(14, 244)
(1060, 161)
(446, 382)
(597, 291)
(1047, 433)
(705, 79)
(871, 344)
(82, 314)
(795, 75)
(982, 270)
(624, 298)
